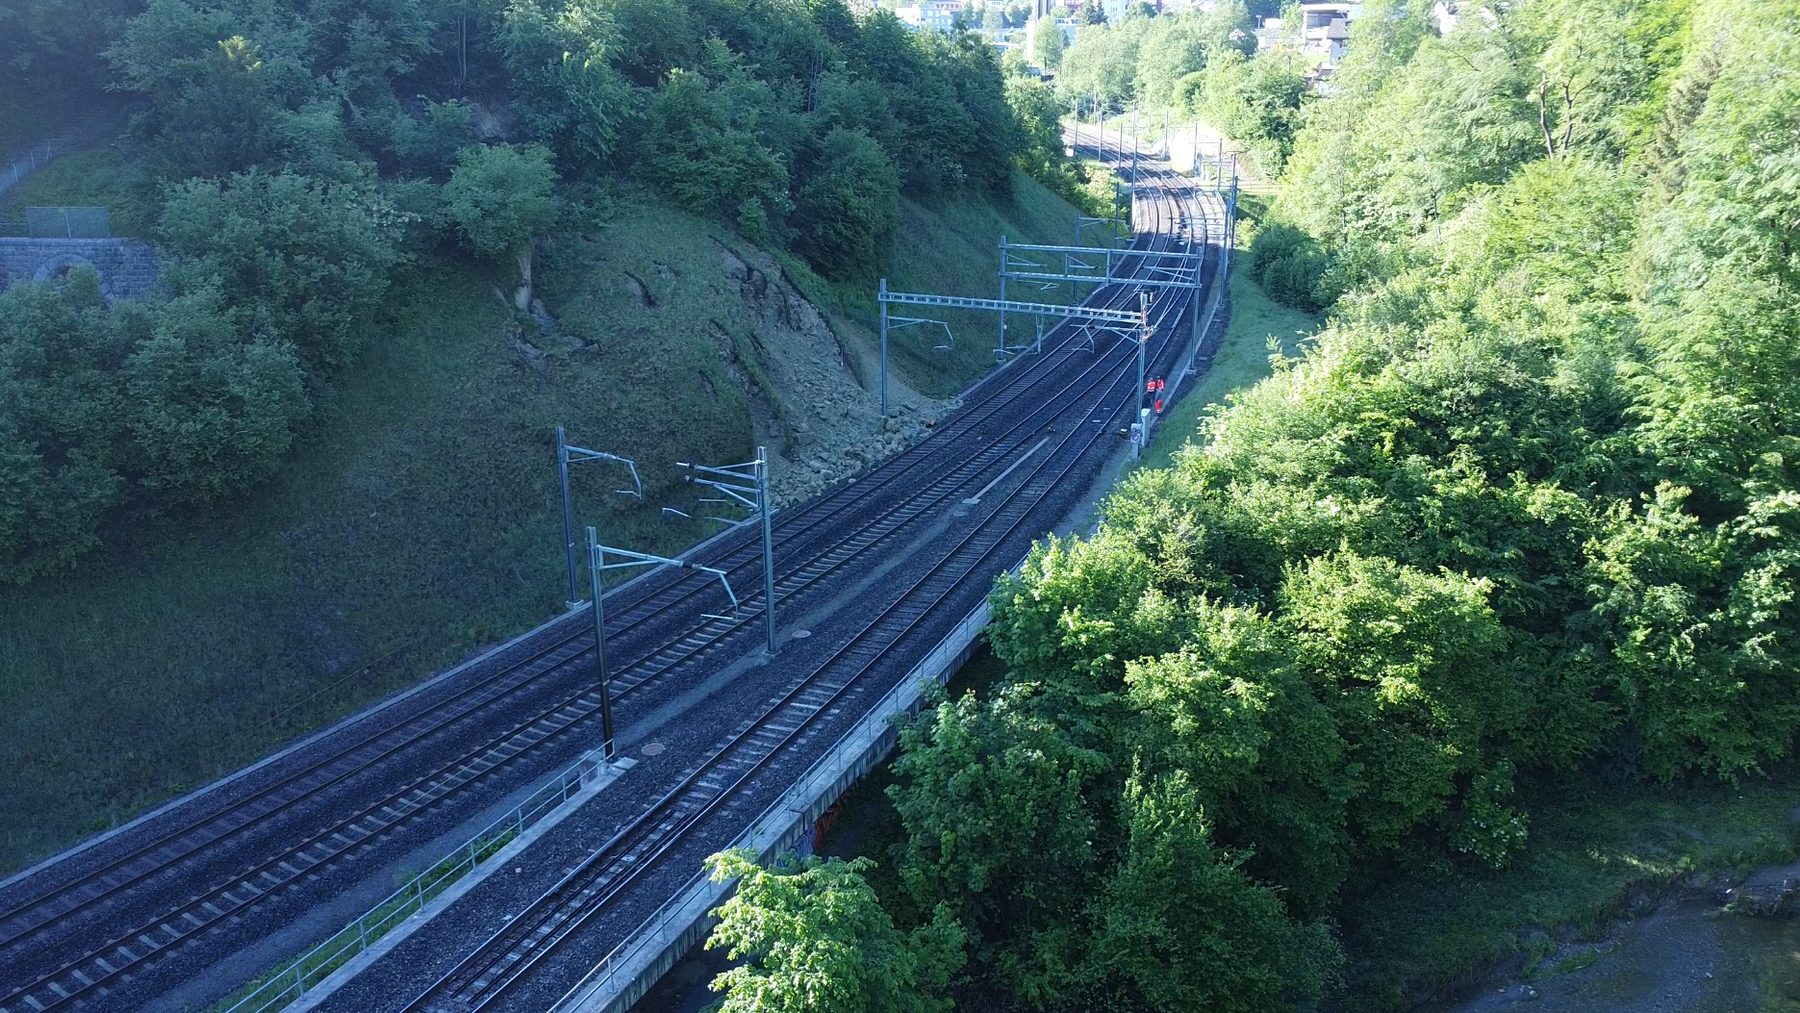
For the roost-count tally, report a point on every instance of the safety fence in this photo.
(26, 164)
(292, 981)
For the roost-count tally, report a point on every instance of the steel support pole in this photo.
(1195, 354)
(768, 540)
(562, 474)
(1143, 340)
(595, 562)
(884, 330)
(1000, 353)
(1231, 209)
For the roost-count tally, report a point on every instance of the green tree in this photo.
(48, 44)
(850, 207)
(211, 413)
(295, 259)
(502, 198)
(1001, 827)
(558, 55)
(1047, 45)
(1232, 714)
(1255, 102)
(217, 104)
(1039, 114)
(1413, 667)
(1184, 925)
(701, 147)
(61, 438)
(815, 939)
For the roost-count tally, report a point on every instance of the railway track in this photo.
(848, 678)
(815, 542)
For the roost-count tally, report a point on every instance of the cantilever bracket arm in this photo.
(577, 454)
(733, 481)
(895, 323)
(632, 559)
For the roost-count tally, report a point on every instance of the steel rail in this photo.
(508, 956)
(814, 521)
(190, 838)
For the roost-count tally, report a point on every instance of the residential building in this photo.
(937, 15)
(1445, 15)
(1325, 28)
(1268, 34)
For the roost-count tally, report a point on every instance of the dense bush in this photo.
(301, 145)
(1527, 505)
(105, 407)
(270, 281)
(1290, 266)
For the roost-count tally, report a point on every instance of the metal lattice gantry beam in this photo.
(961, 302)
(1186, 275)
(1177, 282)
(1102, 250)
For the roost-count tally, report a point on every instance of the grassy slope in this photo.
(417, 523)
(97, 178)
(1242, 359)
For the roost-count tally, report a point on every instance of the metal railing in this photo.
(26, 166)
(651, 932)
(68, 223)
(291, 983)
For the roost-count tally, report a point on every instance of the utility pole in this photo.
(596, 563)
(1002, 352)
(1134, 142)
(1143, 340)
(562, 472)
(884, 330)
(747, 485)
(762, 496)
(1195, 354)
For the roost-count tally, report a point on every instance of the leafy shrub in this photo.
(850, 207)
(1290, 266)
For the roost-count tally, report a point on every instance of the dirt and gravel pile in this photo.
(812, 404)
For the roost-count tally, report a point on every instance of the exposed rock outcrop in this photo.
(817, 412)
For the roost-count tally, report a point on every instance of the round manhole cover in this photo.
(651, 748)
(800, 634)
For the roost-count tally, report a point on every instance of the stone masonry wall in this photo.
(127, 267)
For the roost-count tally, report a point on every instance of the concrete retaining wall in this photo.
(127, 267)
